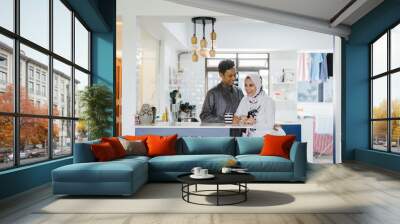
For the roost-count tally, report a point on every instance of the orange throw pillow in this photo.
(135, 138)
(277, 145)
(161, 145)
(116, 145)
(103, 152)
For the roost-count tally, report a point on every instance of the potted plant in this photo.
(96, 103)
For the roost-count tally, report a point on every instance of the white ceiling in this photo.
(320, 9)
(314, 15)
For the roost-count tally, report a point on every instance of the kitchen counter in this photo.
(191, 125)
(203, 129)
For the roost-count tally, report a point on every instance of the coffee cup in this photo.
(203, 172)
(226, 170)
(228, 117)
(196, 171)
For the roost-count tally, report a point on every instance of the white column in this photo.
(337, 97)
(129, 48)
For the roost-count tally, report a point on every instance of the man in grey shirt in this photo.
(223, 98)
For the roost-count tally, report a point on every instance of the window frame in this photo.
(238, 68)
(388, 74)
(16, 114)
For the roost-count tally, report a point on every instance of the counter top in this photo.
(199, 125)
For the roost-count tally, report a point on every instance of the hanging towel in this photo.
(329, 59)
(316, 60)
(303, 67)
(323, 74)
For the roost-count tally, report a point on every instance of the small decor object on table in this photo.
(239, 180)
(146, 114)
(200, 173)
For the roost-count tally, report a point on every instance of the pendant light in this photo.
(202, 49)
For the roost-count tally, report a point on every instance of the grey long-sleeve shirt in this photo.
(220, 100)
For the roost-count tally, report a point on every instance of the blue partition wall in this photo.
(356, 100)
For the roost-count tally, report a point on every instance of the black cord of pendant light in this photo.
(204, 29)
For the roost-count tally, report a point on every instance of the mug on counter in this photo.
(228, 117)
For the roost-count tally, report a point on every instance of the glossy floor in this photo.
(377, 188)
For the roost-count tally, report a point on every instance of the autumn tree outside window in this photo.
(44, 64)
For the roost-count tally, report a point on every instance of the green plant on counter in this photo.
(96, 103)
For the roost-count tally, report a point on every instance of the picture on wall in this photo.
(308, 91)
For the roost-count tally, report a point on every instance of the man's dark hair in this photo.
(225, 65)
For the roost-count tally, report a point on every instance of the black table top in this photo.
(220, 178)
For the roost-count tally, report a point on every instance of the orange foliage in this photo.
(33, 130)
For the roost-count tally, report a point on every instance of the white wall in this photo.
(168, 64)
(193, 81)
(149, 75)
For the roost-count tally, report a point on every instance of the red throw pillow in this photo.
(116, 145)
(277, 145)
(103, 152)
(161, 145)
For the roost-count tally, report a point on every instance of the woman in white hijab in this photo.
(257, 109)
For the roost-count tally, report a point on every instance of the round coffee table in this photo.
(238, 179)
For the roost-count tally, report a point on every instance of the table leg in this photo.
(245, 193)
(217, 194)
(196, 188)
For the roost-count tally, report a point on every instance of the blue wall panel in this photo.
(356, 83)
(24, 178)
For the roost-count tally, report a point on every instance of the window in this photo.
(37, 89)
(7, 14)
(45, 131)
(3, 78)
(6, 74)
(246, 63)
(385, 96)
(30, 72)
(6, 142)
(61, 75)
(62, 137)
(62, 29)
(35, 21)
(30, 87)
(44, 91)
(81, 45)
(81, 81)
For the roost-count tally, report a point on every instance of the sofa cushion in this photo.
(161, 145)
(103, 152)
(257, 163)
(185, 163)
(112, 171)
(277, 145)
(116, 145)
(136, 147)
(207, 145)
(249, 145)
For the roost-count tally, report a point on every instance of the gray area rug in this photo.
(166, 198)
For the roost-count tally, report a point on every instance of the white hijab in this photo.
(257, 80)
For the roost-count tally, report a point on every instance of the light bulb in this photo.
(204, 52)
(212, 53)
(213, 35)
(194, 39)
(203, 43)
(195, 57)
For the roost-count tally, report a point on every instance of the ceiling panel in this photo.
(321, 9)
